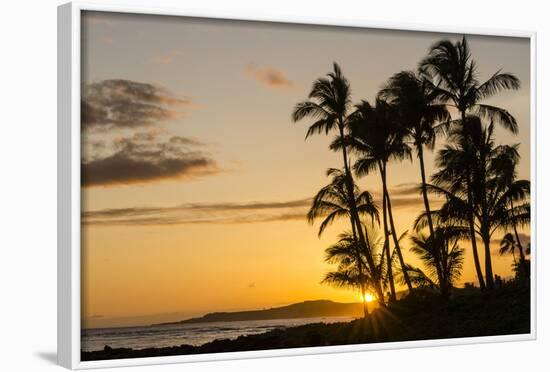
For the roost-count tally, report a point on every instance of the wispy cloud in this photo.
(406, 189)
(218, 213)
(163, 60)
(270, 77)
(200, 213)
(144, 158)
(107, 40)
(407, 196)
(128, 104)
(167, 58)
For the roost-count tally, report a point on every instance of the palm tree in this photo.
(439, 251)
(508, 245)
(332, 202)
(377, 138)
(423, 117)
(505, 164)
(344, 254)
(484, 202)
(453, 77)
(329, 103)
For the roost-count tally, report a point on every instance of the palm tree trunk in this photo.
(355, 217)
(394, 234)
(365, 305)
(471, 215)
(473, 239)
(359, 268)
(442, 285)
(387, 241)
(522, 262)
(488, 265)
(485, 225)
(445, 285)
(520, 246)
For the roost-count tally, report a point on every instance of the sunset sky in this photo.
(195, 180)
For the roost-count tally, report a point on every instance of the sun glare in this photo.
(368, 298)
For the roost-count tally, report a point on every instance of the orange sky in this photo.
(213, 218)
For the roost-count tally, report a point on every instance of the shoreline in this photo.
(424, 317)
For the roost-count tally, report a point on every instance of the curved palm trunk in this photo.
(471, 224)
(520, 246)
(437, 250)
(376, 273)
(473, 239)
(488, 264)
(387, 249)
(365, 304)
(394, 233)
(485, 224)
(359, 270)
(445, 284)
(356, 221)
(366, 313)
(522, 262)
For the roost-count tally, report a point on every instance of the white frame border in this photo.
(68, 161)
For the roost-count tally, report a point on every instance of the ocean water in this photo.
(190, 334)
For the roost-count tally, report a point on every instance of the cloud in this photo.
(269, 77)
(119, 103)
(406, 189)
(107, 40)
(223, 212)
(200, 213)
(168, 57)
(144, 158)
(407, 202)
(163, 60)
(409, 196)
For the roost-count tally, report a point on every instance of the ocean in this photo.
(189, 334)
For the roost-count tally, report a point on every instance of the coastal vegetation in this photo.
(471, 198)
(440, 106)
(422, 317)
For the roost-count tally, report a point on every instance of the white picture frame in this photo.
(69, 189)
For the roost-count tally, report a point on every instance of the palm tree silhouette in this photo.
(508, 245)
(506, 165)
(439, 251)
(423, 117)
(453, 76)
(377, 138)
(343, 253)
(487, 196)
(329, 103)
(332, 202)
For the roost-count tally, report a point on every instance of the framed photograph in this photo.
(237, 187)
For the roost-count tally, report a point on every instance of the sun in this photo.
(368, 297)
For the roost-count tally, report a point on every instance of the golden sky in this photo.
(195, 181)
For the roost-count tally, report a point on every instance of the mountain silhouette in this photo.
(306, 309)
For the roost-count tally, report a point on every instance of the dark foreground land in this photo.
(420, 317)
